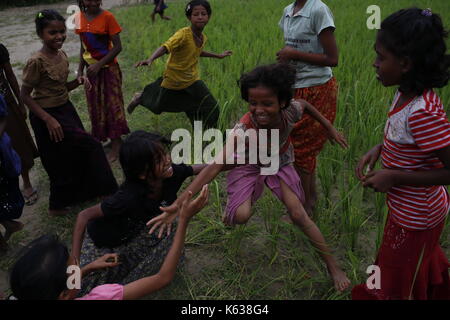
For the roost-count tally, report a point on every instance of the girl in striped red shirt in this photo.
(415, 155)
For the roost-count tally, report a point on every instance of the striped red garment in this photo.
(413, 132)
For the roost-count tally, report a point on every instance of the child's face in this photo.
(54, 35)
(199, 17)
(264, 106)
(92, 5)
(164, 169)
(389, 68)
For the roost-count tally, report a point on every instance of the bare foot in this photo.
(30, 196)
(341, 282)
(58, 212)
(134, 103)
(11, 227)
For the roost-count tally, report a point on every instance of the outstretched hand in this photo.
(226, 53)
(190, 207)
(337, 137)
(143, 63)
(187, 209)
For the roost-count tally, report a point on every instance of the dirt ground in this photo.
(17, 33)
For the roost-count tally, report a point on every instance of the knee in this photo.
(241, 217)
(300, 217)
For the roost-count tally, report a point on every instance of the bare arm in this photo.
(206, 54)
(82, 63)
(11, 77)
(385, 179)
(83, 218)
(93, 69)
(54, 128)
(75, 83)
(197, 168)
(334, 135)
(155, 55)
(328, 58)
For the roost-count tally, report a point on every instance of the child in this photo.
(16, 126)
(11, 199)
(118, 223)
(75, 162)
(100, 45)
(415, 154)
(310, 46)
(180, 89)
(160, 6)
(40, 274)
(268, 91)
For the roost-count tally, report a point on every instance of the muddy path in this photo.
(17, 33)
(17, 30)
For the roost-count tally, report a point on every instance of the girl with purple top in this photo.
(268, 91)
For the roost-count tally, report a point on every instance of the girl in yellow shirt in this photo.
(180, 88)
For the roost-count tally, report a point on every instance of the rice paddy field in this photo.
(267, 258)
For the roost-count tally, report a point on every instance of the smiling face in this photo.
(199, 17)
(389, 67)
(54, 35)
(164, 169)
(264, 106)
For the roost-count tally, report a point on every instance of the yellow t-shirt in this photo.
(182, 66)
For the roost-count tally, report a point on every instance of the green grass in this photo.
(267, 258)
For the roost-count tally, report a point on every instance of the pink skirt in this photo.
(245, 182)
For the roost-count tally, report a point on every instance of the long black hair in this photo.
(418, 35)
(40, 272)
(141, 153)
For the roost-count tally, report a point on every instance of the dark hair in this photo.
(420, 36)
(190, 7)
(81, 5)
(140, 153)
(44, 17)
(40, 273)
(278, 77)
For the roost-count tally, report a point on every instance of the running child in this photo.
(160, 6)
(74, 161)
(268, 90)
(180, 89)
(40, 274)
(100, 44)
(415, 157)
